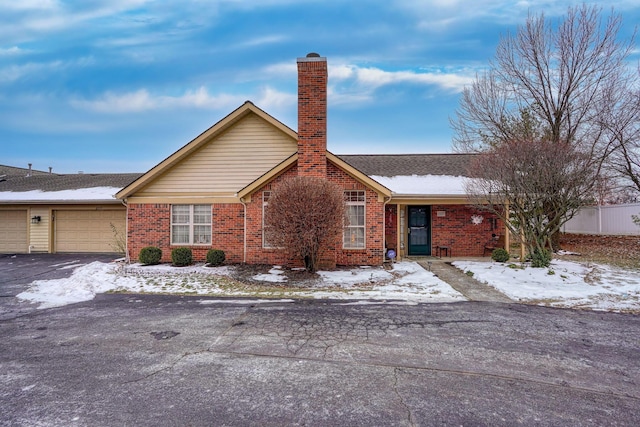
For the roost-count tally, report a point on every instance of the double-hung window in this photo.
(191, 224)
(354, 228)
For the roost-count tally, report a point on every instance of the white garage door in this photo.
(13, 231)
(88, 231)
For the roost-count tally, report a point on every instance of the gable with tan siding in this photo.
(227, 163)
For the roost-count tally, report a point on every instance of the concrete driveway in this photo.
(166, 360)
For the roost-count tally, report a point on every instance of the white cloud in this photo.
(26, 5)
(341, 72)
(260, 41)
(13, 50)
(14, 72)
(273, 99)
(348, 98)
(281, 70)
(25, 18)
(371, 78)
(441, 15)
(141, 101)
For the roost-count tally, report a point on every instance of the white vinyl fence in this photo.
(609, 220)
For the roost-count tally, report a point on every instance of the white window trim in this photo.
(191, 225)
(364, 226)
(265, 195)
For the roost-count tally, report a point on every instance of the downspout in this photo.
(384, 228)
(244, 239)
(127, 258)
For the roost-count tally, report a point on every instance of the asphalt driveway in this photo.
(17, 271)
(167, 360)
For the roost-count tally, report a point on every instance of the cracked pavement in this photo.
(167, 360)
(153, 360)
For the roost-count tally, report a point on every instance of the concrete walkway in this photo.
(471, 288)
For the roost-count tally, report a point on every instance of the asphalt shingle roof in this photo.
(410, 164)
(19, 179)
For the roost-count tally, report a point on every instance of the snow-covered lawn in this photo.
(406, 282)
(564, 284)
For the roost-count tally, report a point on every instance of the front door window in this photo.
(419, 230)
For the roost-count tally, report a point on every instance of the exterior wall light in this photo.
(35, 219)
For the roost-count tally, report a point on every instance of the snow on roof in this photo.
(92, 193)
(424, 184)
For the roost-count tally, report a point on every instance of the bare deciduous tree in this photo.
(543, 184)
(624, 124)
(561, 83)
(305, 216)
(568, 77)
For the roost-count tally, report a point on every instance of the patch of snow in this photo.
(406, 282)
(85, 282)
(563, 252)
(65, 263)
(70, 266)
(274, 275)
(424, 184)
(93, 193)
(356, 276)
(270, 277)
(223, 270)
(563, 284)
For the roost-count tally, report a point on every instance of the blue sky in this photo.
(118, 85)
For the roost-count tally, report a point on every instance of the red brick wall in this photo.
(150, 225)
(374, 217)
(391, 227)
(371, 255)
(457, 231)
(227, 231)
(256, 254)
(312, 116)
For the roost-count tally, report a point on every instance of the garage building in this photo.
(47, 212)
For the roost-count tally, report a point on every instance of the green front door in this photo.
(419, 230)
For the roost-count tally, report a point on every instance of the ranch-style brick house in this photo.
(213, 191)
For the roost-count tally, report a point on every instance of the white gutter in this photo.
(127, 258)
(244, 243)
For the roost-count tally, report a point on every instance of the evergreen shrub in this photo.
(181, 257)
(500, 255)
(150, 255)
(215, 257)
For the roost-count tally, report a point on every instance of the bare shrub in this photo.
(304, 216)
(543, 183)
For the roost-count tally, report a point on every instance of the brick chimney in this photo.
(312, 116)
